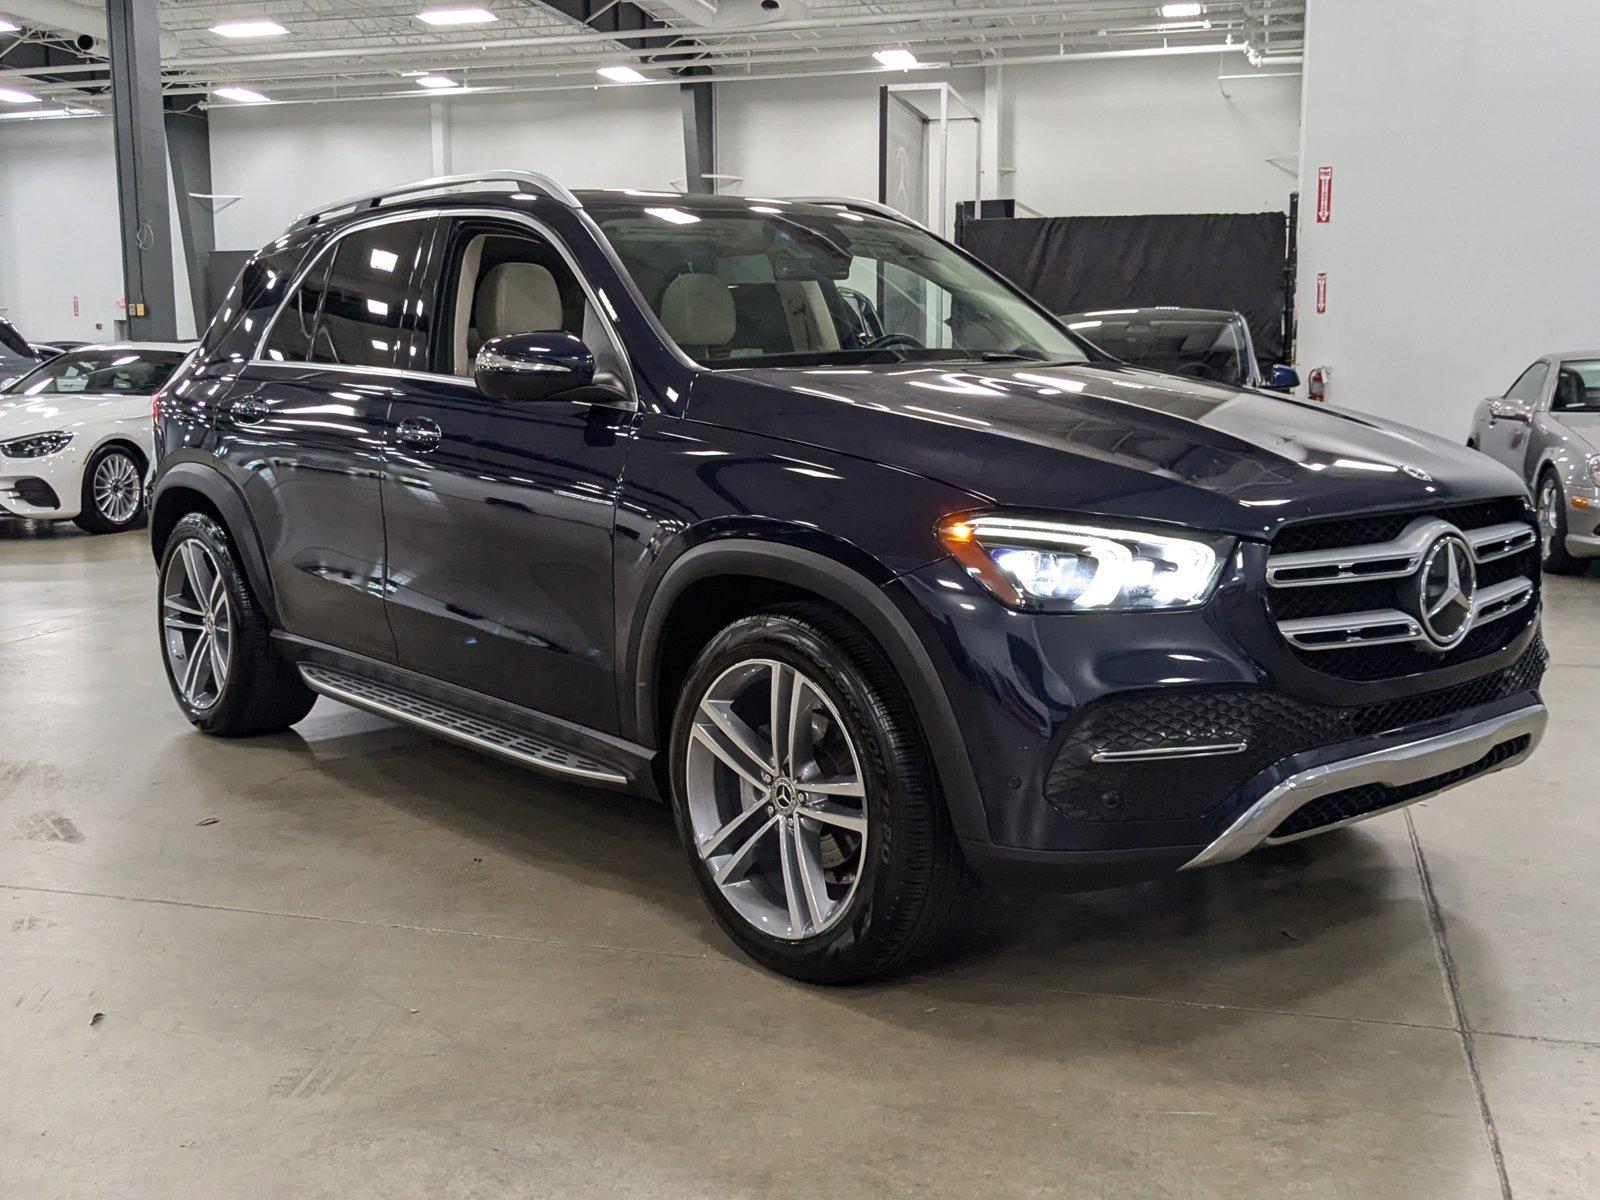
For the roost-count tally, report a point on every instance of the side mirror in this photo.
(1284, 378)
(1501, 409)
(533, 366)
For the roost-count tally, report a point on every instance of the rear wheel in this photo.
(803, 795)
(113, 492)
(1553, 529)
(216, 642)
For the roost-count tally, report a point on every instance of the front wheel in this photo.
(216, 642)
(1553, 529)
(803, 795)
(113, 492)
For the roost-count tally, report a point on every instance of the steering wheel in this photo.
(893, 341)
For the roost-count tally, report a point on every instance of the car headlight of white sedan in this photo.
(36, 445)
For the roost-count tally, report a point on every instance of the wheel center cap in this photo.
(785, 797)
(210, 623)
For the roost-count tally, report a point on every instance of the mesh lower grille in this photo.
(1375, 797)
(1273, 727)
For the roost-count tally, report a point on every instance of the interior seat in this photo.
(514, 297)
(698, 312)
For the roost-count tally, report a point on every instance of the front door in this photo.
(499, 515)
(304, 429)
(1510, 418)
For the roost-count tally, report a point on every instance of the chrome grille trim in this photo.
(1396, 559)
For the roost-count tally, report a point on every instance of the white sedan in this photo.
(76, 438)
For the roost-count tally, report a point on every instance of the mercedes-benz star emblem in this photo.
(1445, 585)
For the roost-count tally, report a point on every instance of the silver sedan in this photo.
(1547, 428)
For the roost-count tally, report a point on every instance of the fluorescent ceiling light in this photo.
(436, 82)
(1173, 26)
(1174, 11)
(14, 97)
(896, 60)
(456, 16)
(675, 215)
(240, 95)
(621, 74)
(8, 27)
(249, 29)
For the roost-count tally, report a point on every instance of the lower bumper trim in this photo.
(1408, 763)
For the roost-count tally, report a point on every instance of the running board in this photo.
(457, 725)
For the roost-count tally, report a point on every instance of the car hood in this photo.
(1584, 424)
(23, 415)
(1108, 440)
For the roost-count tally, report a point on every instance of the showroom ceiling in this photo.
(324, 50)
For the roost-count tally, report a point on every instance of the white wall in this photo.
(1097, 137)
(59, 228)
(1463, 242)
(1119, 137)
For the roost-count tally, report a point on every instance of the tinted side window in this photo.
(1527, 388)
(363, 304)
(290, 339)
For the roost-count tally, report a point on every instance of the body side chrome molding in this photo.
(1396, 766)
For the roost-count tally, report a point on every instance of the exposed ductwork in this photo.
(727, 14)
(71, 17)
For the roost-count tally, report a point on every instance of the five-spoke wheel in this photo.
(805, 798)
(776, 799)
(197, 627)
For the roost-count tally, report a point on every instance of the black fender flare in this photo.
(856, 595)
(220, 491)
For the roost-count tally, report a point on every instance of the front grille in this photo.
(1343, 591)
(1375, 797)
(1271, 725)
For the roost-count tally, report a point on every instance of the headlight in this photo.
(1057, 566)
(1594, 469)
(36, 445)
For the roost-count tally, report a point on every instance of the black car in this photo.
(802, 519)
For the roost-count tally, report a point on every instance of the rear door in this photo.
(304, 430)
(499, 515)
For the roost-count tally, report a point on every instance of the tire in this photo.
(113, 496)
(813, 896)
(1552, 506)
(244, 687)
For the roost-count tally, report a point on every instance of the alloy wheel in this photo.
(776, 799)
(1549, 516)
(117, 488)
(196, 624)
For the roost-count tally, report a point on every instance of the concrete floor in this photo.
(393, 968)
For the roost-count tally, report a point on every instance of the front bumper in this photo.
(43, 489)
(1112, 747)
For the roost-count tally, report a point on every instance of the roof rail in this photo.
(871, 206)
(525, 181)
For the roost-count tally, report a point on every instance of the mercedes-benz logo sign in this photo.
(1443, 591)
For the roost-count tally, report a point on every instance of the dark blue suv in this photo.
(798, 517)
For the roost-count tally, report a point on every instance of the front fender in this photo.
(173, 479)
(846, 586)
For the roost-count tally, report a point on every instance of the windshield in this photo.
(135, 372)
(1200, 345)
(1577, 387)
(776, 285)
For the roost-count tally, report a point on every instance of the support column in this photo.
(189, 151)
(699, 137)
(991, 134)
(439, 138)
(134, 43)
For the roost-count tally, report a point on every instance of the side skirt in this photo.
(482, 722)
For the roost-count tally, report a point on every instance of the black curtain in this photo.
(1078, 264)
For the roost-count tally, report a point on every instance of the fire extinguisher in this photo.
(1317, 386)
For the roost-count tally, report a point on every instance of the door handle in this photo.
(249, 411)
(419, 434)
